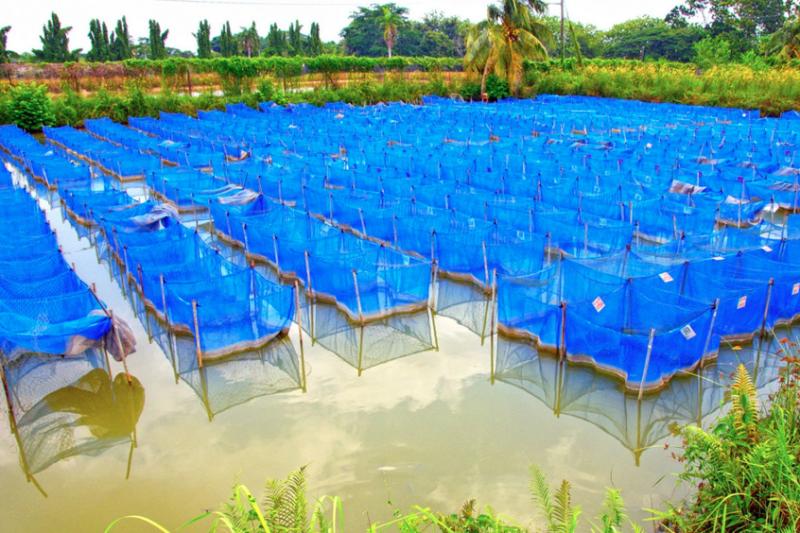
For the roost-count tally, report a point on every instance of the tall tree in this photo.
(4, 43)
(648, 37)
(101, 45)
(786, 41)
(249, 41)
(157, 41)
(55, 42)
(740, 22)
(296, 39)
(390, 22)
(277, 44)
(120, 47)
(510, 34)
(314, 41)
(203, 37)
(364, 35)
(227, 42)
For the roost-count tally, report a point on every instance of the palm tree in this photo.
(786, 41)
(510, 34)
(390, 21)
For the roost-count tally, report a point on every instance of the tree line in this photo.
(721, 29)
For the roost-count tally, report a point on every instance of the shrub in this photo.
(30, 107)
(497, 88)
(746, 466)
(712, 51)
(470, 90)
(265, 90)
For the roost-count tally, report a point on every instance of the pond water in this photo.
(432, 429)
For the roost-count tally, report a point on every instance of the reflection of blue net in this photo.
(637, 423)
(230, 380)
(44, 307)
(63, 408)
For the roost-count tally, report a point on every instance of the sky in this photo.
(181, 16)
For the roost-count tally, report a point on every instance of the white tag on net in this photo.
(598, 304)
(688, 332)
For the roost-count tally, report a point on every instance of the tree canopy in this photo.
(55, 42)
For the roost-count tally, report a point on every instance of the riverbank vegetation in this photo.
(772, 90)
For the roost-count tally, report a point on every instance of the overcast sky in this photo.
(181, 16)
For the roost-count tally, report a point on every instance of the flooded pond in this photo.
(434, 428)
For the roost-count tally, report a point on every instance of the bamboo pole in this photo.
(647, 362)
(562, 336)
(432, 303)
(275, 252)
(492, 326)
(312, 303)
(766, 307)
(172, 348)
(93, 289)
(300, 332)
(199, 350)
(485, 263)
(361, 320)
(121, 349)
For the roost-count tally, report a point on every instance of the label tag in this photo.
(688, 332)
(718, 258)
(766, 248)
(665, 277)
(598, 304)
(795, 289)
(742, 302)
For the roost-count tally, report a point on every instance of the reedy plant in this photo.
(745, 467)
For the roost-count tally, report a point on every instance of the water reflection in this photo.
(368, 344)
(60, 408)
(231, 380)
(637, 421)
